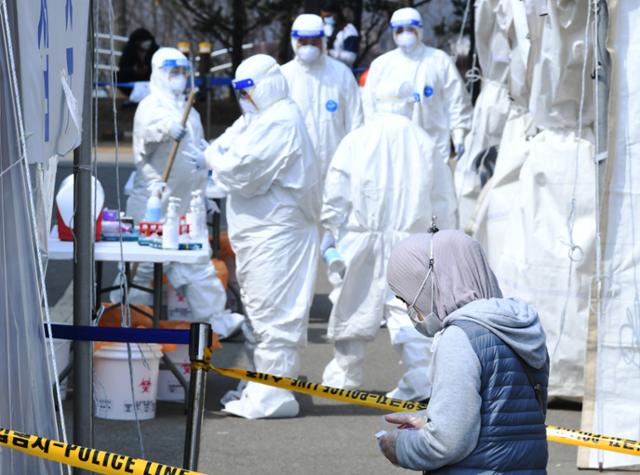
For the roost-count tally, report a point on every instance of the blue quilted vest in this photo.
(512, 433)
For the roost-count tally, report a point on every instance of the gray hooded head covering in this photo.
(461, 271)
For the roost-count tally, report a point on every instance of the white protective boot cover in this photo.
(249, 348)
(344, 371)
(259, 401)
(206, 296)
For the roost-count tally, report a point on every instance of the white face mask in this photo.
(308, 53)
(247, 106)
(145, 45)
(177, 84)
(406, 40)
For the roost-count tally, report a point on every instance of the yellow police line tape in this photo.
(379, 401)
(97, 461)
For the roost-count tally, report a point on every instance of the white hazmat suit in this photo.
(444, 110)
(384, 183)
(266, 161)
(324, 89)
(156, 125)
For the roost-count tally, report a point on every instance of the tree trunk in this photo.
(239, 22)
(357, 14)
(120, 18)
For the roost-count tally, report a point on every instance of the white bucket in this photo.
(169, 389)
(112, 386)
(62, 350)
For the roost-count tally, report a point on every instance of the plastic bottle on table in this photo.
(170, 228)
(153, 213)
(197, 218)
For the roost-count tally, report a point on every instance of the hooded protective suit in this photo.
(152, 142)
(324, 89)
(156, 117)
(266, 161)
(393, 189)
(444, 110)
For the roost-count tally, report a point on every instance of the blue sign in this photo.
(68, 14)
(43, 25)
(331, 105)
(428, 91)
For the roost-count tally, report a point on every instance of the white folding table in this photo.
(131, 251)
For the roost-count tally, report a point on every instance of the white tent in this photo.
(43, 47)
(538, 216)
(612, 379)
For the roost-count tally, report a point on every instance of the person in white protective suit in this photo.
(324, 89)
(444, 110)
(385, 182)
(155, 128)
(267, 163)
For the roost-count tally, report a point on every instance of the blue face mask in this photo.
(329, 20)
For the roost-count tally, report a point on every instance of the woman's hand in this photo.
(388, 446)
(406, 420)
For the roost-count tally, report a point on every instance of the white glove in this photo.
(327, 241)
(177, 132)
(195, 157)
(457, 136)
(166, 194)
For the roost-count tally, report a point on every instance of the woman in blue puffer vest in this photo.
(490, 370)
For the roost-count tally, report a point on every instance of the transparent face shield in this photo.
(308, 45)
(243, 89)
(405, 33)
(179, 74)
(405, 24)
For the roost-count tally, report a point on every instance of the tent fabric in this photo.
(27, 402)
(613, 359)
(534, 264)
(536, 217)
(493, 20)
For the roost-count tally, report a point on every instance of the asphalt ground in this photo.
(327, 437)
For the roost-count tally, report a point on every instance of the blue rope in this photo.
(119, 334)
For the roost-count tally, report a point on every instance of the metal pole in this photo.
(603, 68)
(475, 86)
(200, 340)
(157, 293)
(207, 112)
(83, 224)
